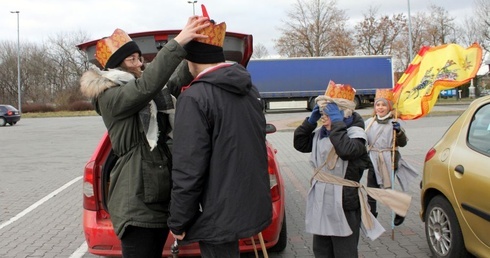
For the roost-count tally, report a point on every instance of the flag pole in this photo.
(393, 178)
(395, 109)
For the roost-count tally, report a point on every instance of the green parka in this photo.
(140, 182)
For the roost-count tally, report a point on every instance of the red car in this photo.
(99, 233)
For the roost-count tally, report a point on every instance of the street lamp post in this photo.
(18, 60)
(409, 33)
(193, 3)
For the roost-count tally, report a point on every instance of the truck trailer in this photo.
(286, 79)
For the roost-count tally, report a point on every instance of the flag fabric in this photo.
(434, 69)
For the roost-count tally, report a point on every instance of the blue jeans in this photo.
(139, 242)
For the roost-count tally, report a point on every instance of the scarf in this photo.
(324, 132)
(163, 102)
(386, 117)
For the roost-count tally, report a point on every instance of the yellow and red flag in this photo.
(432, 70)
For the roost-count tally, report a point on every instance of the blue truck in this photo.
(286, 79)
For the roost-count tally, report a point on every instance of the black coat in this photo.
(220, 160)
(353, 150)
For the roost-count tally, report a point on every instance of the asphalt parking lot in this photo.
(40, 190)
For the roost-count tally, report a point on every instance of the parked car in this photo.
(455, 188)
(9, 115)
(99, 233)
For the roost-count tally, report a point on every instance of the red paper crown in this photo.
(108, 46)
(384, 94)
(215, 32)
(340, 91)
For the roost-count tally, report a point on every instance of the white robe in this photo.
(405, 173)
(324, 213)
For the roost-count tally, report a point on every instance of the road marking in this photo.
(38, 203)
(80, 251)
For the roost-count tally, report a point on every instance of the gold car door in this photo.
(470, 175)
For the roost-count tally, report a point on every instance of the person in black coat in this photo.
(338, 147)
(221, 187)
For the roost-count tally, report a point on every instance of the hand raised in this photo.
(189, 32)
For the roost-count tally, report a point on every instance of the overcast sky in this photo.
(98, 18)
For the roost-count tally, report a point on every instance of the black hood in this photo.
(235, 79)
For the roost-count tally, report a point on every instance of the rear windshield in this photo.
(9, 107)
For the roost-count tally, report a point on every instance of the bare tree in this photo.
(67, 65)
(313, 28)
(49, 71)
(420, 31)
(469, 32)
(378, 35)
(8, 72)
(420, 37)
(31, 59)
(260, 51)
(441, 26)
(482, 16)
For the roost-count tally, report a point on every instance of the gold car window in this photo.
(479, 133)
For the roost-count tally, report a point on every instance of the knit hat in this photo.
(208, 50)
(111, 51)
(386, 96)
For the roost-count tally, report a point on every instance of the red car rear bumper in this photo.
(101, 239)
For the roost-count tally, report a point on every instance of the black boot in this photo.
(398, 220)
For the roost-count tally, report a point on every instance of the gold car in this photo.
(455, 188)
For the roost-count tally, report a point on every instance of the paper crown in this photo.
(208, 50)
(384, 94)
(340, 91)
(215, 32)
(111, 51)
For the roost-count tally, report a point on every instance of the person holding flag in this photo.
(385, 135)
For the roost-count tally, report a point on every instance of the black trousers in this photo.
(372, 182)
(138, 242)
(225, 250)
(340, 247)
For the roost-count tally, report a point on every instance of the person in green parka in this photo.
(135, 108)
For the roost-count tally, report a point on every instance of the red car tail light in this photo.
(89, 196)
(430, 154)
(9, 113)
(275, 194)
(273, 171)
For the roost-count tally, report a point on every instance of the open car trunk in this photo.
(237, 47)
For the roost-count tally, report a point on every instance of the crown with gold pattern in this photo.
(384, 94)
(120, 42)
(207, 50)
(215, 32)
(340, 91)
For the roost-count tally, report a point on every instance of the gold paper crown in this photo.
(215, 32)
(340, 91)
(108, 46)
(384, 94)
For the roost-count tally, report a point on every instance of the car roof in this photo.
(238, 47)
(9, 107)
